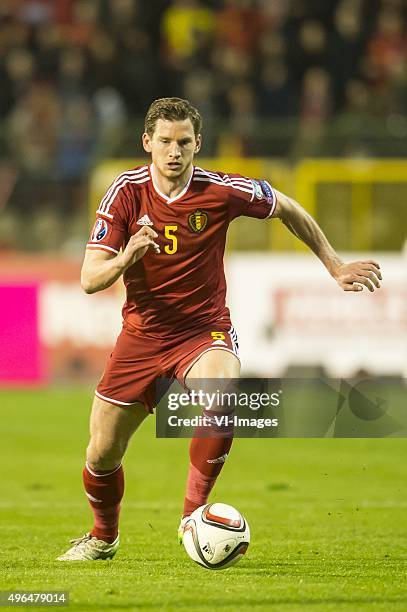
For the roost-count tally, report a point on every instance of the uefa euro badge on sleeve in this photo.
(99, 230)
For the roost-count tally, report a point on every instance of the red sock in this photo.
(104, 490)
(207, 456)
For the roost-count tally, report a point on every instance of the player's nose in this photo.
(174, 151)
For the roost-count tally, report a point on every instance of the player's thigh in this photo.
(216, 363)
(112, 426)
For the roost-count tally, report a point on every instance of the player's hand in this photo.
(138, 246)
(358, 274)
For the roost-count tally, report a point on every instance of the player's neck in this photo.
(170, 187)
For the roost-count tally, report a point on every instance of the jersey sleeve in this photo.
(250, 197)
(112, 220)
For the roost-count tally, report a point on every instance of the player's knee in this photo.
(97, 463)
(103, 457)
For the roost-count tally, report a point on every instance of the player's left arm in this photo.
(351, 276)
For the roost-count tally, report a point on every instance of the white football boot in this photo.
(181, 529)
(89, 548)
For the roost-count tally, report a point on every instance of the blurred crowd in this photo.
(76, 74)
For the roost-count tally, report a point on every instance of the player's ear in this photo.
(146, 140)
(198, 143)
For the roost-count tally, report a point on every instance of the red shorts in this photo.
(138, 360)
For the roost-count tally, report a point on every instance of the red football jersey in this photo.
(183, 287)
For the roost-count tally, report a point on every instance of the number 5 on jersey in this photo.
(169, 233)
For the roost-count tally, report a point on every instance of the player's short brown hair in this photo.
(172, 109)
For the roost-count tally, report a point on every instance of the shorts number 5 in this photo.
(218, 336)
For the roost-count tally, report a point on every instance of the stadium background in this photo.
(311, 94)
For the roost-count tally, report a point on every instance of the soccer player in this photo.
(163, 227)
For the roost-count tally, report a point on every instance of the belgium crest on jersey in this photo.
(198, 220)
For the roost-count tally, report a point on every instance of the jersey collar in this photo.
(162, 195)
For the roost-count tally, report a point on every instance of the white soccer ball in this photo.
(216, 536)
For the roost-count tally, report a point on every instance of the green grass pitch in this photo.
(328, 518)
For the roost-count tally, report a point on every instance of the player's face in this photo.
(172, 147)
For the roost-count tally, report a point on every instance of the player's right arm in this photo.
(102, 268)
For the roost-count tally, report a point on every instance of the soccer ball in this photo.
(216, 536)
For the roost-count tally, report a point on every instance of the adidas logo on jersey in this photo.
(145, 220)
(222, 342)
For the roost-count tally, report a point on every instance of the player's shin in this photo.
(104, 490)
(208, 452)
